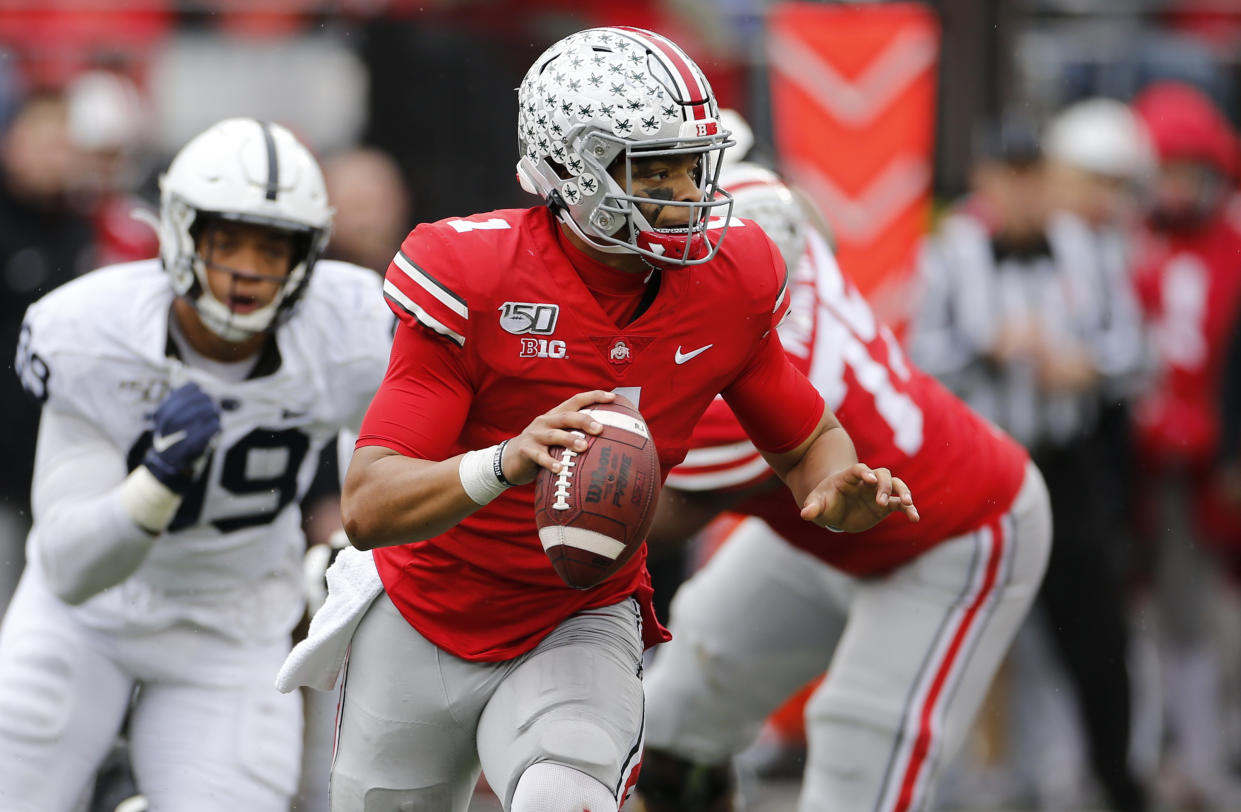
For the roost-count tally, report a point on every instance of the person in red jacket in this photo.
(1188, 278)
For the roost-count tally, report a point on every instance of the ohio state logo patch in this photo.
(620, 351)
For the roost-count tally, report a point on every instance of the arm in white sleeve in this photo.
(87, 538)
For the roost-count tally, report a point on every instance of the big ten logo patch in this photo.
(543, 348)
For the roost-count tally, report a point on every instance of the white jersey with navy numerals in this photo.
(99, 349)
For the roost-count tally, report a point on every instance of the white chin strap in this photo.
(232, 326)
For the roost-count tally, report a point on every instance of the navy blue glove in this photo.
(185, 424)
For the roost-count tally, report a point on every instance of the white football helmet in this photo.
(759, 195)
(605, 95)
(249, 171)
(1103, 136)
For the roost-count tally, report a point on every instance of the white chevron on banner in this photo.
(858, 101)
(862, 217)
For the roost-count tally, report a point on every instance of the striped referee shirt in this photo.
(1075, 288)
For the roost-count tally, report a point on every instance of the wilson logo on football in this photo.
(520, 318)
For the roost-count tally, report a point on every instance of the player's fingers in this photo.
(901, 491)
(534, 454)
(856, 476)
(812, 508)
(583, 399)
(550, 427)
(906, 499)
(883, 485)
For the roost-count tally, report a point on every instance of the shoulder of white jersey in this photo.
(347, 291)
(115, 313)
(341, 336)
(431, 278)
(102, 310)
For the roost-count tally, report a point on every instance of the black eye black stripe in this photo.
(273, 167)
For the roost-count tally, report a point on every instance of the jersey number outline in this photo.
(849, 336)
(30, 367)
(235, 478)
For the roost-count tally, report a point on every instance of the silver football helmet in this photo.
(760, 195)
(607, 95)
(249, 171)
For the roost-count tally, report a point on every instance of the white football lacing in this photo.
(562, 479)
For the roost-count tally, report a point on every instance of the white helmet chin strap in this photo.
(230, 326)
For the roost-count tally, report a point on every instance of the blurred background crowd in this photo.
(1073, 271)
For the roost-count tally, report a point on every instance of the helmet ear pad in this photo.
(527, 178)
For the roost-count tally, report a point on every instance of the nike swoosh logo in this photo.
(682, 357)
(163, 442)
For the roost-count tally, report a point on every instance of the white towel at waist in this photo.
(352, 584)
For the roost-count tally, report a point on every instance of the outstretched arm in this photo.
(833, 488)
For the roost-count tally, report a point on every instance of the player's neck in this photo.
(629, 263)
(207, 343)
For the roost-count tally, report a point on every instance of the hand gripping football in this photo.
(595, 513)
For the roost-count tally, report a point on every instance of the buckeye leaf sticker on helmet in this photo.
(597, 101)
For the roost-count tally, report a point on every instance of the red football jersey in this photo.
(497, 328)
(1190, 289)
(962, 470)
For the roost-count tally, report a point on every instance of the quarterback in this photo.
(931, 607)
(185, 401)
(476, 654)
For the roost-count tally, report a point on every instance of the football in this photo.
(594, 515)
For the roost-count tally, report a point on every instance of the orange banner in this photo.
(853, 104)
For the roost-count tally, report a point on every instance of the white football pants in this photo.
(915, 659)
(208, 732)
(416, 722)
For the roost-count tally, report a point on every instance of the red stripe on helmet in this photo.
(682, 67)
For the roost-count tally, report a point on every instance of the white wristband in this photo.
(478, 476)
(151, 503)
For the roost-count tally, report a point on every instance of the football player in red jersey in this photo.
(512, 321)
(1188, 283)
(931, 608)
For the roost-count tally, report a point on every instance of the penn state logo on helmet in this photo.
(609, 95)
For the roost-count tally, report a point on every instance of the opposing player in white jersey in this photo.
(931, 608)
(185, 402)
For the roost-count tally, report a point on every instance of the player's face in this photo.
(669, 177)
(246, 263)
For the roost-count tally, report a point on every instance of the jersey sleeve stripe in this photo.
(689, 479)
(431, 285)
(784, 290)
(403, 304)
(719, 455)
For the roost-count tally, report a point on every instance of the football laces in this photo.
(566, 473)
